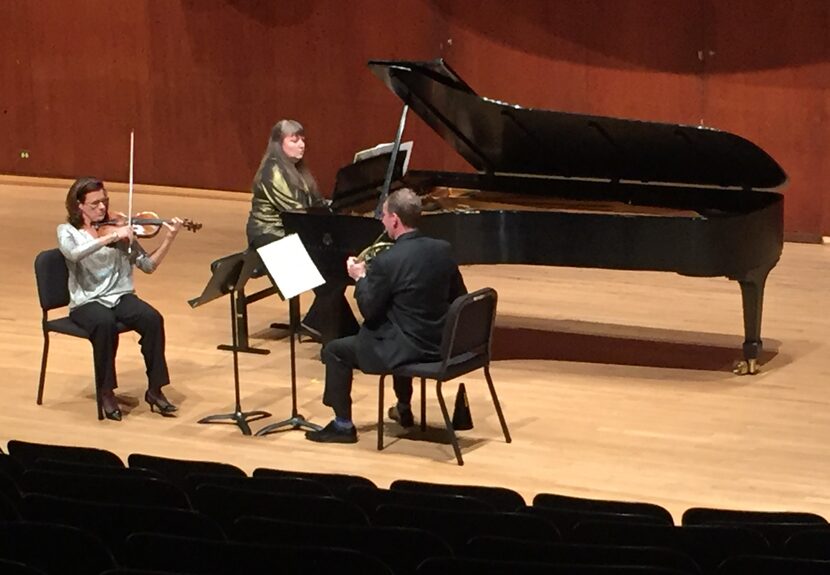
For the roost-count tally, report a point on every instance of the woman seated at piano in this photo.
(284, 182)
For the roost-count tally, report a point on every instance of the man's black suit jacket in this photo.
(404, 300)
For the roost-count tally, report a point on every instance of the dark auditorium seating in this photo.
(55, 549)
(126, 489)
(769, 565)
(556, 501)
(68, 509)
(460, 566)
(509, 549)
(812, 543)
(370, 498)
(177, 470)
(458, 527)
(566, 519)
(114, 523)
(338, 483)
(501, 498)
(708, 545)
(199, 556)
(27, 453)
(286, 485)
(776, 526)
(227, 504)
(402, 548)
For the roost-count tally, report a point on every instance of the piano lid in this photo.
(496, 137)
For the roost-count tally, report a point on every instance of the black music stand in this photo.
(230, 275)
(295, 421)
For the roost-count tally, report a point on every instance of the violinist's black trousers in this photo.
(101, 323)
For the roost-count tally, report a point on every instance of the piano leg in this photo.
(752, 296)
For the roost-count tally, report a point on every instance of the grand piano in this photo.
(561, 189)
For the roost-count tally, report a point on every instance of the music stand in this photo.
(276, 267)
(228, 276)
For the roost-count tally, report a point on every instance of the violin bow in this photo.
(130, 189)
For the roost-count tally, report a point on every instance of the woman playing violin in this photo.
(100, 261)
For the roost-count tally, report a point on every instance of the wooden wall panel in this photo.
(202, 81)
(767, 77)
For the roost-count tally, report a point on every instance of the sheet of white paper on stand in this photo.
(290, 266)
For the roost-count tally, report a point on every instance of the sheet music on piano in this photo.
(380, 149)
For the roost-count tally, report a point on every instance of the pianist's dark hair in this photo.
(294, 173)
(407, 204)
(77, 195)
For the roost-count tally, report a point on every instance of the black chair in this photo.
(771, 565)
(567, 519)
(8, 567)
(27, 453)
(776, 526)
(53, 291)
(337, 483)
(177, 470)
(200, 556)
(556, 501)
(465, 347)
(113, 523)
(708, 545)
(509, 549)
(462, 566)
(55, 549)
(811, 543)
(11, 466)
(285, 485)
(500, 498)
(369, 499)
(126, 490)
(402, 548)
(227, 504)
(61, 466)
(458, 527)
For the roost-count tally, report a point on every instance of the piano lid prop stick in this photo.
(390, 169)
(130, 189)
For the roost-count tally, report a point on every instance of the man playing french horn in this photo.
(404, 296)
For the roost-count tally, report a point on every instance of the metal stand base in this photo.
(240, 418)
(294, 422)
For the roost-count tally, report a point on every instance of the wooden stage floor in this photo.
(614, 384)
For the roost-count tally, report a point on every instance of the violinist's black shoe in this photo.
(155, 398)
(110, 406)
(402, 416)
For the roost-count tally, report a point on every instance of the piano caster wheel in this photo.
(748, 367)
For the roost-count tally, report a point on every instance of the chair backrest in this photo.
(469, 324)
(557, 501)
(125, 490)
(27, 453)
(500, 498)
(52, 279)
(177, 470)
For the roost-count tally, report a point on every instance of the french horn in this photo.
(370, 252)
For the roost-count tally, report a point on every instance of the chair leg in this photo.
(380, 412)
(495, 397)
(423, 404)
(43, 367)
(448, 422)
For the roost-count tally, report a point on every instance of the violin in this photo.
(145, 224)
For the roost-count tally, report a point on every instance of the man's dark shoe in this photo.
(404, 417)
(333, 433)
